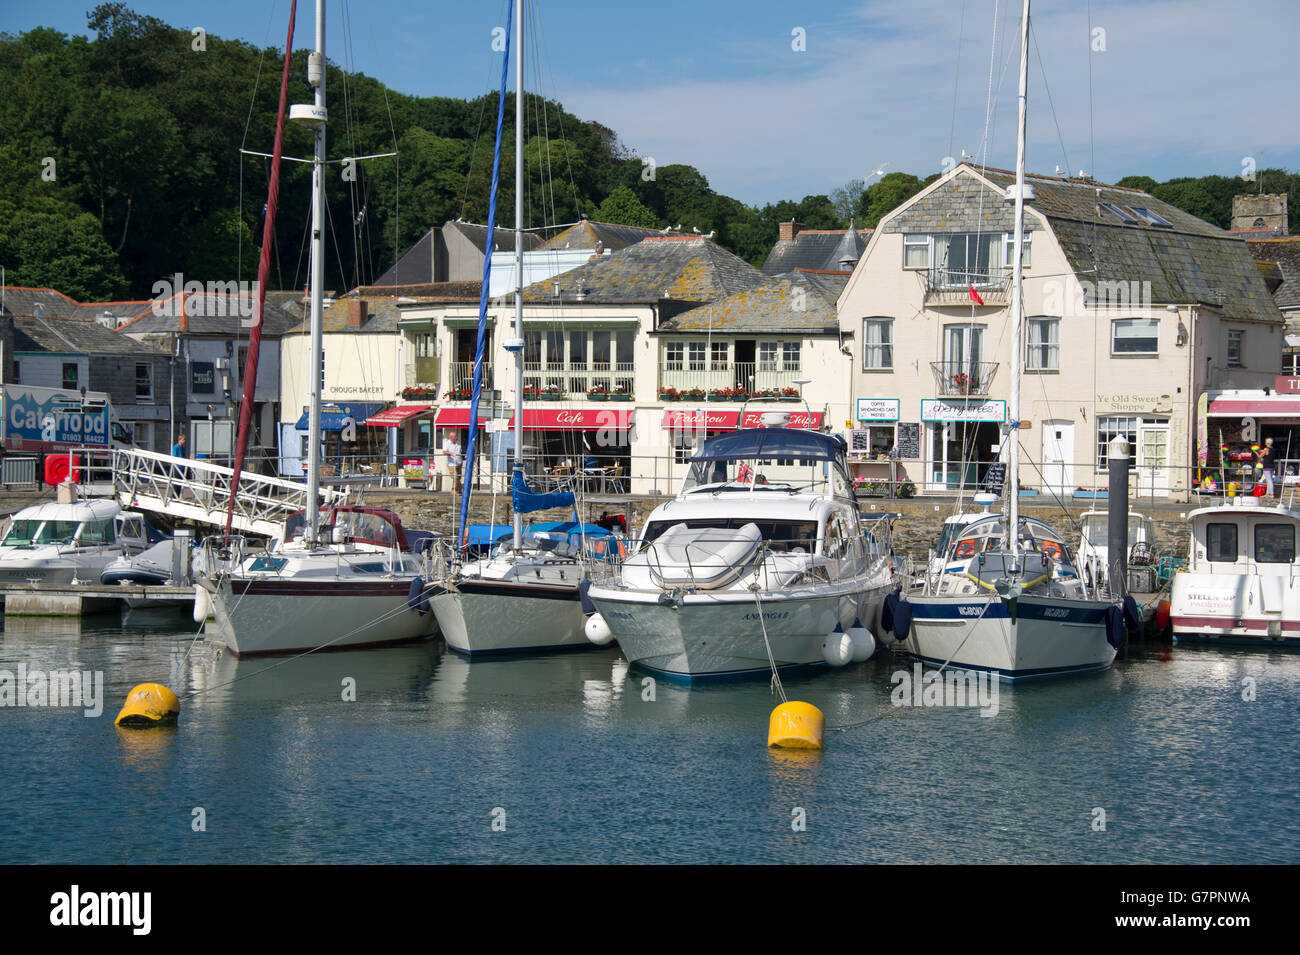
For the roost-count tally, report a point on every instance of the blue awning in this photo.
(333, 416)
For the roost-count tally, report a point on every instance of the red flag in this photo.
(975, 296)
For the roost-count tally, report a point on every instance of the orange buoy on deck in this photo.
(1162, 615)
(148, 705)
(796, 725)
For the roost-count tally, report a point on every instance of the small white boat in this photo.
(1241, 586)
(760, 561)
(1094, 546)
(58, 543)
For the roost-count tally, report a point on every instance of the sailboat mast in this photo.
(316, 76)
(519, 256)
(1017, 291)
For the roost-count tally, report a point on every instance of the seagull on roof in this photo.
(665, 230)
(965, 155)
(712, 233)
(695, 229)
(1059, 170)
(678, 227)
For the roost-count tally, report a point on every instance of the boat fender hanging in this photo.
(1132, 616)
(597, 630)
(864, 644)
(887, 608)
(1162, 616)
(1115, 626)
(417, 598)
(588, 608)
(837, 648)
(902, 620)
(202, 604)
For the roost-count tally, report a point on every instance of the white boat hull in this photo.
(486, 617)
(1248, 610)
(718, 635)
(275, 615)
(1050, 637)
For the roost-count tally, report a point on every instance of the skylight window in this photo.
(1152, 217)
(1117, 211)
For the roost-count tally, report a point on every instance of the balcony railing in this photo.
(556, 379)
(748, 376)
(460, 378)
(964, 377)
(952, 287)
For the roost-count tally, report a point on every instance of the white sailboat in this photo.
(760, 563)
(342, 576)
(526, 595)
(1009, 600)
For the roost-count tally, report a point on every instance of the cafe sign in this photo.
(937, 409)
(877, 409)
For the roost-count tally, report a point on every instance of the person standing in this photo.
(178, 449)
(452, 451)
(1267, 463)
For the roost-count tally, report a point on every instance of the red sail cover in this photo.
(263, 272)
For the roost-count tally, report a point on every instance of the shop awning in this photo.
(693, 419)
(1265, 406)
(577, 419)
(396, 417)
(456, 418)
(332, 417)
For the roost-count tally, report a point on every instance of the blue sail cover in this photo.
(525, 501)
(470, 457)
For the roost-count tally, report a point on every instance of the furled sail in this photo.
(525, 500)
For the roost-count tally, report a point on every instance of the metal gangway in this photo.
(200, 491)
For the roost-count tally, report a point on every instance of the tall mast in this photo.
(1017, 290)
(316, 76)
(519, 256)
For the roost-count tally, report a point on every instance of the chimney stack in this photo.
(356, 313)
(790, 229)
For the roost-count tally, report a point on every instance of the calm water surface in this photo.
(586, 770)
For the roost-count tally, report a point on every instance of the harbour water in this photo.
(565, 759)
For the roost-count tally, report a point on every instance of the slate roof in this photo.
(416, 266)
(23, 301)
(428, 291)
(1187, 261)
(612, 235)
(119, 312)
(798, 301)
(208, 314)
(681, 268)
(815, 249)
(76, 336)
(1285, 255)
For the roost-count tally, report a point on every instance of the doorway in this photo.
(1058, 453)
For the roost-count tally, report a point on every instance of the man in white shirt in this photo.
(452, 451)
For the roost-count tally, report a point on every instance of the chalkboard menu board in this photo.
(994, 478)
(908, 440)
(859, 442)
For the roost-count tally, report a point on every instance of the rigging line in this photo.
(776, 675)
(956, 77)
(568, 158)
(503, 12)
(545, 114)
(1056, 120)
(1043, 481)
(392, 129)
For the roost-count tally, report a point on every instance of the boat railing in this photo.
(223, 555)
(701, 570)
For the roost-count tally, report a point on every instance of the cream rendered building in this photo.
(1133, 308)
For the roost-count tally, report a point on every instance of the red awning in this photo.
(577, 419)
(395, 417)
(692, 419)
(1272, 406)
(456, 418)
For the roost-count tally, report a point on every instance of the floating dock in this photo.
(68, 600)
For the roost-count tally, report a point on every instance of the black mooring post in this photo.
(1117, 466)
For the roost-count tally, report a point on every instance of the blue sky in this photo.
(717, 84)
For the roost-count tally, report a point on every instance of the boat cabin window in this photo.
(96, 532)
(56, 532)
(1221, 543)
(779, 535)
(21, 532)
(1274, 543)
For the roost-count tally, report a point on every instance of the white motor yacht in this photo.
(759, 562)
(68, 543)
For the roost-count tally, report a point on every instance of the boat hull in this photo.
(1246, 610)
(718, 635)
(258, 616)
(497, 617)
(1048, 638)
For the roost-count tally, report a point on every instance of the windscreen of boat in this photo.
(97, 532)
(770, 459)
(779, 535)
(21, 533)
(987, 535)
(56, 532)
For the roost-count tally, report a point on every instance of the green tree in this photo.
(47, 246)
(624, 207)
(883, 197)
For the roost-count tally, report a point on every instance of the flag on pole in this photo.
(975, 296)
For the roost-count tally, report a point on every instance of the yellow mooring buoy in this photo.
(795, 725)
(149, 704)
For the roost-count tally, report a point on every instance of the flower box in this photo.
(598, 395)
(620, 396)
